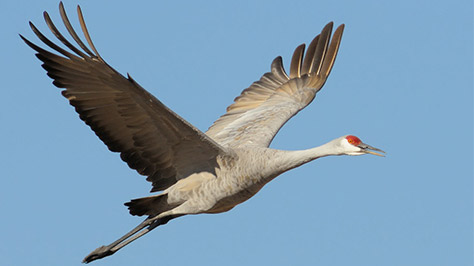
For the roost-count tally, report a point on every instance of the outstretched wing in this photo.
(263, 108)
(150, 137)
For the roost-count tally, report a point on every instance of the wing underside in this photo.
(263, 108)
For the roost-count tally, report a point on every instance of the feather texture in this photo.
(263, 108)
(150, 137)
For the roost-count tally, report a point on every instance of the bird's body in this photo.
(196, 172)
(237, 178)
(230, 185)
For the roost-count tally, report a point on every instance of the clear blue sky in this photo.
(403, 82)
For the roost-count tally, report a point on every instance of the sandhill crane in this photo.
(197, 172)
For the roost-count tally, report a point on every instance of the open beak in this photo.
(371, 150)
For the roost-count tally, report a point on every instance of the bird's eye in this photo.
(353, 140)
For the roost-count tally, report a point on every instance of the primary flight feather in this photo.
(196, 172)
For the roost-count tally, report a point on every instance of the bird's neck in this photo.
(288, 160)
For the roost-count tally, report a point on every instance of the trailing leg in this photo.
(146, 226)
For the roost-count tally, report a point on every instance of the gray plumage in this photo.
(197, 172)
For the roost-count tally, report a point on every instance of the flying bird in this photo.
(196, 172)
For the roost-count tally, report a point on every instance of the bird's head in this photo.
(352, 145)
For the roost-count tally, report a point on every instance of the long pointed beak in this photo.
(371, 150)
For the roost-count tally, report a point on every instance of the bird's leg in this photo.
(110, 249)
(104, 251)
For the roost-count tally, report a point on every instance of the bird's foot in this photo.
(98, 253)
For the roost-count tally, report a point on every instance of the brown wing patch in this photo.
(150, 137)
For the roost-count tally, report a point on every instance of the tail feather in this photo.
(150, 206)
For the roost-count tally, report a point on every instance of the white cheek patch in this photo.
(349, 148)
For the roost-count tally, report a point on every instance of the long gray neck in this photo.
(287, 160)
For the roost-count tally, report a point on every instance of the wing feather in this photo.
(263, 108)
(295, 66)
(150, 137)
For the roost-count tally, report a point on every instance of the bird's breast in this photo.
(231, 198)
(237, 183)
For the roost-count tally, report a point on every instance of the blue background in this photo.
(403, 82)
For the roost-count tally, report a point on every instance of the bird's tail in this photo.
(150, 206)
